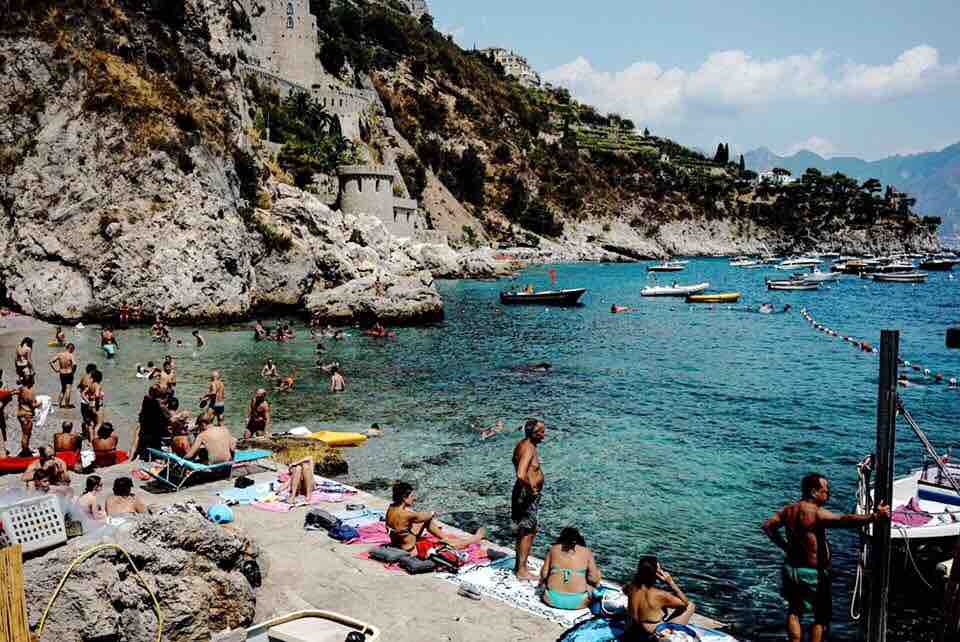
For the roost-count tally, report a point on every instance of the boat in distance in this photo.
(817, 276)
(793, 285)
(798, 263)
(667, 266)
(714, 297)
(901, 277)
(546, 297)
(674, 290)
(938, 264)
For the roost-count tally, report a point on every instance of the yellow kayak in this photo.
(716, 297)
(339, 439)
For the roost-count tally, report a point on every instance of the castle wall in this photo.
(366, 189)
(285, 39)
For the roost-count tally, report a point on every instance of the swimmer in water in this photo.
(285, 384)
(766, 308)
(496, 429)
(200, 340)
(375, 431)
(617, 309)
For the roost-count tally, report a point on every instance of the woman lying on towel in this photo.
(569, 572)
(403, 522)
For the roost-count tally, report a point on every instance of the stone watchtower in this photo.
(368, 189)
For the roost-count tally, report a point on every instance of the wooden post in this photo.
(951, 602)
(879, 557)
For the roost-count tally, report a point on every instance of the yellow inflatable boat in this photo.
(714, 297)
(339, 439)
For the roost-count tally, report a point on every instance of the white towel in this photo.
(41, 414)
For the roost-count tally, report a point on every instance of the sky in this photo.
(845, 78)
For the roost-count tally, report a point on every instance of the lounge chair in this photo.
(178, 470)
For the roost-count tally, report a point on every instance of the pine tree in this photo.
(718, 157)
(743, 165)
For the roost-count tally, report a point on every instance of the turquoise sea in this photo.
(674, 430)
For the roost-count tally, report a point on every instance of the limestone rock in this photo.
(384, 297)
(192, 565)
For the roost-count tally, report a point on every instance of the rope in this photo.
(906, 545)
(82, 558)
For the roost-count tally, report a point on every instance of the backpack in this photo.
(447, 559)
(318, 519)
(344, 533)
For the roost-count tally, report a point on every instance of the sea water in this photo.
(675, 430)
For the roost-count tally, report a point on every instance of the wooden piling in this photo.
(13, 604)
(878, 562)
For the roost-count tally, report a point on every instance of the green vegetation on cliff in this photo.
(536, 157)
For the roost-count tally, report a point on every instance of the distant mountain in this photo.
(932, 177)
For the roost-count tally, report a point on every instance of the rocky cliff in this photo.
(126, 176)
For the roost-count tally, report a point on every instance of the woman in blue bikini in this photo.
(569, 572)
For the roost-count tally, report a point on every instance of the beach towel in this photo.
(360, 518)
(910, 514)
(278, 504)
(246, 496)
(502, 584)
(41, 414)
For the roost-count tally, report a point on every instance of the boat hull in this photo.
(558, 297)
(677, 291)
(719, 297)
(900, 278)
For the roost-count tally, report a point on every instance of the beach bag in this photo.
(319, 519)
(416, 566)
(243, 482)
(388, 554)
(447, 559)
(344, 533)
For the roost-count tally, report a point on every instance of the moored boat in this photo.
(714, 297)
(817, 276)
(667, 266)
(743, 261)
(547, 297)
(674, 290)
(901, 277)
(796, 285)
(938, 264)
(799, 263)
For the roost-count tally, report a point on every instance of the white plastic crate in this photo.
(34, 523)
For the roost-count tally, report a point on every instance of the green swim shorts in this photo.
(807, 590)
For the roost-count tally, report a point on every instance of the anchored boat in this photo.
(674, 290)
(938, 264)
(667, 266)
(547, 297)
(817, 276)
(792, 285)
(714, 297)
(901, 277)
(798, 263)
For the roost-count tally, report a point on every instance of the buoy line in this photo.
(865, 346)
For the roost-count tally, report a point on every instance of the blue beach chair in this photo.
(178, 470)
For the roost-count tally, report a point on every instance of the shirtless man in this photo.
(269, 370)
(200, 340)
(108, 338)
(167, 379)
(65, 365)
(123, 501)
(525, 500)
(806, 567)
(402, 519)
(285, 384)
(66, 440)
(6, 396)
(337, 382)
(258, 419)
(216, 396)
(26, 405)
(23, 361)
(218, 445)
(260, 332)
(87, 415)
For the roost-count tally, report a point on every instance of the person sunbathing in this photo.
(66, 440)
(89, 504)
(402, 522)
(301, 481)
(214, 445)
(48, 474)
(123, 501)
(569, 573)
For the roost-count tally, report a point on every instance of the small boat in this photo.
(667, 266)
(794, 285)
(674, 290)
(339, 439)
(743, 261)
(714, 297)
(937, 264)
(547, 297)
(799, 263)
(901, 277)
(817, 276)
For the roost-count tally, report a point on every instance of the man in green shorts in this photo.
(806, 568)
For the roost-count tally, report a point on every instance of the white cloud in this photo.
(733, 82)
(814, 144)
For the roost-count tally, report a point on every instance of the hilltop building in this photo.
(771, 178)
(515, 66)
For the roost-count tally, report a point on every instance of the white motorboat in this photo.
(901, 277)
(817, 276)
(744, 261)
(798, 263)
(667, 266)
(925, 505)
(792, 285)
(674, 290)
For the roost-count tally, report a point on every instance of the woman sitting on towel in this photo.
(402, 522)
(569, 572)
(301, 480)
(648, 606)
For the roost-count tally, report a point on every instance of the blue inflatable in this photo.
(602, 630)
(220, 514)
